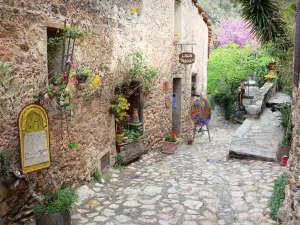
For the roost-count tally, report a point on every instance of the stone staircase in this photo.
(260, 133)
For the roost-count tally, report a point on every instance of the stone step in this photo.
(256, 105)
(278, 99)
(252, 91)
(258, 138)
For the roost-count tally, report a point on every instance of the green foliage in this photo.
(228, 66)
(132, 135)
(119, 160)
(226, 96)
(138, 71)
(73, 145)
(97, 176)
(278, 194)
(55, 43)
(265, 18)
(56, 201)
(234, 62)
(285, 121)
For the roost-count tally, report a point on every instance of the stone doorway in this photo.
(176, 105)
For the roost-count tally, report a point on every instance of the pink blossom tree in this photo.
(237, 31)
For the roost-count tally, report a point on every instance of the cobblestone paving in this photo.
(196, 186)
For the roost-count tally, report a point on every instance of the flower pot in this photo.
(190, 142)
(119, 138)
(272, 66)
(62, 218)
(81, 78)
(170, 147)
(270, 80)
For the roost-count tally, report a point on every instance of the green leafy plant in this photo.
(97, 176)
(132, 135)
(73, 145)
(120, 158)
(278, 194)
(137, 71)
(265, 18)
(233, 62)
(56, 202)
(285, 121)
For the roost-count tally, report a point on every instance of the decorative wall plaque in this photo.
(34, 138)
(187, 58)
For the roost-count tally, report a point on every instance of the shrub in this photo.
(56, 202)
(285, 121)
(278, 194)
(119, 160)
(97, 176)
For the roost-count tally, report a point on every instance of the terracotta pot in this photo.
(119, 138)
(190, 142)
(62, 218)
(170, 147)
(270, 80)
(272, 65)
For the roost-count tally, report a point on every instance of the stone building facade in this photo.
(114, 30)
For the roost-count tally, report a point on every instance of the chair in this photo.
(201, 115)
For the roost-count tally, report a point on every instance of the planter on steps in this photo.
(62, 218)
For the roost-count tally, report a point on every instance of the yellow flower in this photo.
(138, 10)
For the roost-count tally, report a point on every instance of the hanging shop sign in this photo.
(34, 138)
(187, 58)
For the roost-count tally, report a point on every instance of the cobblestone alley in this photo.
(199, 185)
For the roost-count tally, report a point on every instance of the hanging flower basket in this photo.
(81, 78)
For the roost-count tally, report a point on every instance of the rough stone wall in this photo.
(113, 34)
(23, 47)
(194, 31)
(292, 191)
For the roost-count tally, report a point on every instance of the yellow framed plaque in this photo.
(34, 138)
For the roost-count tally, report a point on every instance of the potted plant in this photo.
(272, 65)
(171, 143)
(55, 207)
(119, 108)
(83, 73)
(270, 76)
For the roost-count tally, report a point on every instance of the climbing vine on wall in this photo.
(136, 70)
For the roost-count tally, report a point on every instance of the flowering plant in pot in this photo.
(270, 76)
(55, 207)
(171, 143)
(119, 108)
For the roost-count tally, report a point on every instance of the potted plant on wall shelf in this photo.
(271, 76)
(171, 143)
(83, 73)
(55, 207)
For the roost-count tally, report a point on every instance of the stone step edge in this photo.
(235, 155)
